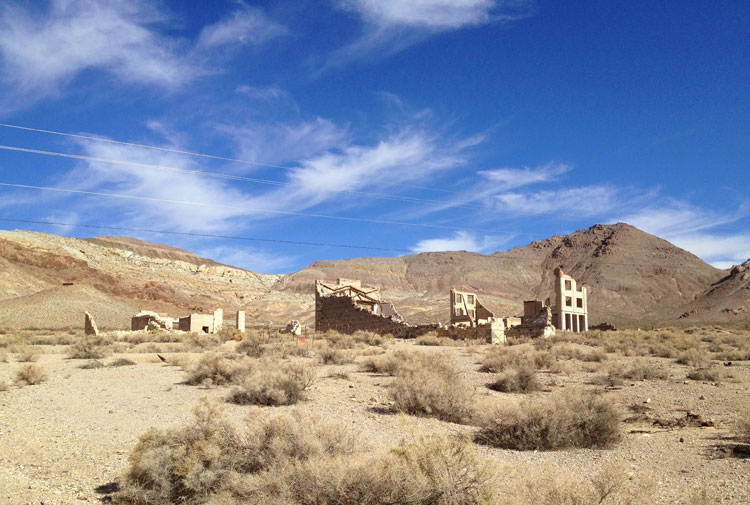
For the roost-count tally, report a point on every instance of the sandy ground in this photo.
(62, 440)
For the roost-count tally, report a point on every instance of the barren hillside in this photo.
(632, 277)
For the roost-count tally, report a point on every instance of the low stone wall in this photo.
(339, 313)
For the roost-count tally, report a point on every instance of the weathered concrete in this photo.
(570, 311)
(467, 310)
(294, 327)
(147, 320)
(346, 306)
(239, 321)
(89, 325)
(218, 320)
(198, 323)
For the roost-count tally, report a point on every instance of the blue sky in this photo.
(413, 126)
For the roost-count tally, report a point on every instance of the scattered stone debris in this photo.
(603, 327)
(294, 328)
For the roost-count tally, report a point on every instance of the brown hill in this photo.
(632, 277)
(726, 300)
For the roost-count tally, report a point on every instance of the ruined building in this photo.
(570, 311)
(199, 323)
(346, 306)
(467, 311)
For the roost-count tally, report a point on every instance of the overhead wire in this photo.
(245, 209)
(229, 176)
(185, 152)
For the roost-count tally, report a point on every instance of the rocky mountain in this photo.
(632, 278)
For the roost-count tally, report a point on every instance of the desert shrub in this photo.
(91, 365)
(706, 374)
(569, 419)
(580, 352)
(385, 364)
(30, 375)
(202, 341)
(294, 461)
(273, 384)
(499, 358)
(696, 358)
(121, 362)
(645, 370)
(215, 369)
(430, 339)
(286, 350)
(26, 353)
(227, 333)
(90, 347)
(423, 472)
(742, 427)
(428, 385)
(250, 347)
(331, 356)
(516, 380)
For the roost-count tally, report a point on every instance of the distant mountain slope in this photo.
(631, 275)
(726, 300)
(632, 278)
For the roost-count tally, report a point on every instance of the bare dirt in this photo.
(67, 440)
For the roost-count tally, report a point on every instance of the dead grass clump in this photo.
(696, 358)
(26, 353)
(742, 428)
(522, 356)
(580, 352)
(251, 347)
(331, 356)
(569, 419)
(30, 375)
(645, 370)
(516, 380)
(706, 374)
(91, 365)
(274, 384)
(215, 369)
(385, 364)
(429, 385)
(294, 462)
(121, 362)
(90, 348)
(202, 341)
(428, 471)
(286, 350)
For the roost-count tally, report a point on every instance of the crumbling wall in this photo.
(534, 327)
(341, 314)
(89, 325)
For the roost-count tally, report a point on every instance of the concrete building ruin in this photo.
(346, 306)
(570, 311)
(203, 323)
(466, 310)
(146, 320)
(89, 325)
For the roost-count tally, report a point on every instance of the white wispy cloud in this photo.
(581, 201)
(246, 26)
(390, 26)
(460, 241)
(504, 179)
(42, 51)
(249, 259)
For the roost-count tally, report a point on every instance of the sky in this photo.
(341, 128)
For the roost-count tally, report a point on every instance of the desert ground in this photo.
(660, 416)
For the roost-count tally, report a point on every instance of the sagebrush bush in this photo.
(251, 347)
(385, 364)
(30, 375)
(271, 383)
(91, 365)
(26, 353)
(331, 356)
(202, 341)
(695, 358)
(523, 356)
(429, 385)
(216, 369)
(121, 362)
(192, 464)
(706, 374)
(516, 380)
(742, 427)
(90, 347)
(645, 370)
(569, 419)
(294, 461)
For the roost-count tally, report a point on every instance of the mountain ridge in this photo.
(632, 277)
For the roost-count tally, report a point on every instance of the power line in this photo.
(204, 235)
(499, 256)
(228, 176)
(246, 209)
(179, 151)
